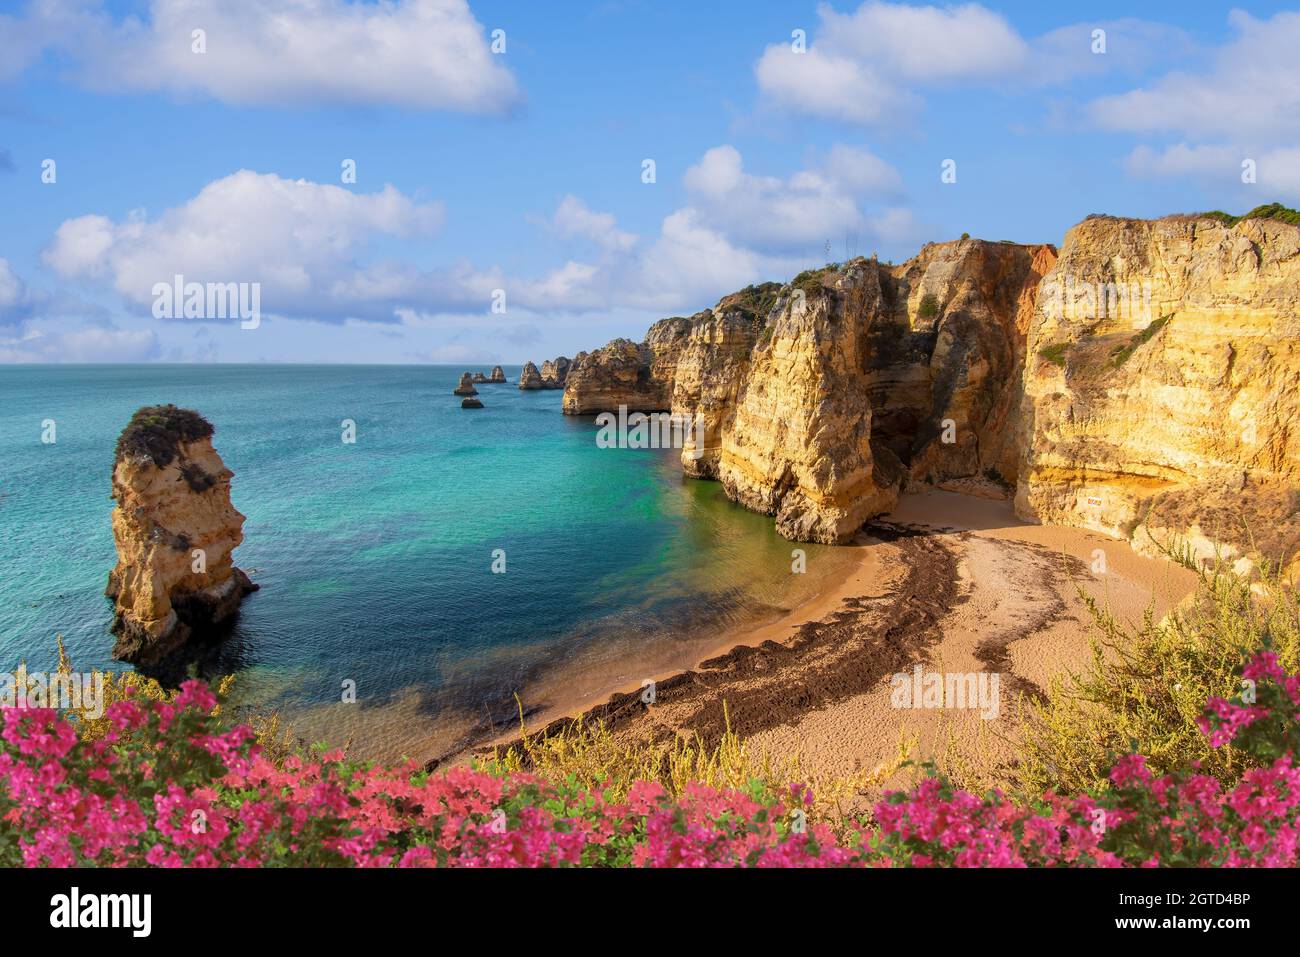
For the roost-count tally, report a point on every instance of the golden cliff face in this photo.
(797, 443)
(1145, 382)
(625, 373)
(1162, 386)
(175, 530)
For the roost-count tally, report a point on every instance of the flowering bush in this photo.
(1142, 819)
(164, 784)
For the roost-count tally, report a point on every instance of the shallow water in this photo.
(375, 558)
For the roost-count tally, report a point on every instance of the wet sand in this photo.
(954, 583)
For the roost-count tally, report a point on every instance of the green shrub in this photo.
(1277, 211)
(1147, 684)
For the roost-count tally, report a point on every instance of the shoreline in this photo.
(944, 581)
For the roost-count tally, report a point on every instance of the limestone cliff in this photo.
(554, 372)
(626, 373)
(1145, 383)
(175, 530)
(816, 399)
(946, 382)
(1162, 387)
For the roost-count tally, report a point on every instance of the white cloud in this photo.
(926, 43)
(16, 301)
(869, 66)
(419, 54)
(1250, 91)
(11, 287)
(300, 240)
(829, 86)
(1181, 160)
(810, 206)
(858, 66)
(1277, 171)
(86, 344)
(574, 219)
(310, 245)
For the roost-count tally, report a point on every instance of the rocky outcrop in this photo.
(819, 400)
(625, 373)
(466, 386)
(1162, 386)
(554, 372)
(1144, 383)
(529, 377)
(471, 403)
(478, 378)
(175, 530)
(498, 376)
(799, 442)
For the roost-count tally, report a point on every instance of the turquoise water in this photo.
(375, 558)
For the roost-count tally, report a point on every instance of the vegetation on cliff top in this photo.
(1275, 211)
(754, 302)
(156, 432)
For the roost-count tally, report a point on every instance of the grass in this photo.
(1055, 353)
(1122, 354)
(589, 754)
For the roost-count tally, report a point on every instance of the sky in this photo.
(533, 179)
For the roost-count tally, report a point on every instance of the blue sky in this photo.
(521, 170)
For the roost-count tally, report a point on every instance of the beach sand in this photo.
(954, 583)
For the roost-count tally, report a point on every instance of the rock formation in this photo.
(637, 375)
(529, 377)
(1161, 407)
(175, 529)
(498, 376)
(479, 378)
(471, 403)
(466, 386)
(1162, 387)
(554, 372)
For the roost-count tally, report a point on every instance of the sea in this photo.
(452, 566)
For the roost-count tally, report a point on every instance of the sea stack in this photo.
(498, 376)
(530, 378)
(554, 372)
(466, 386)
(470, 402)
(478, 378)
(175, 530)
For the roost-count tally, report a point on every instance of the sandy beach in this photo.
(949, 582)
